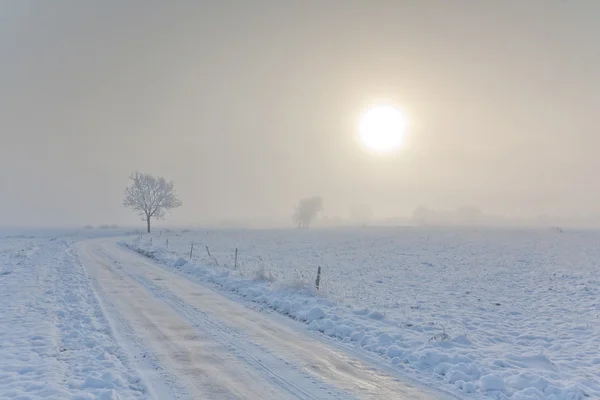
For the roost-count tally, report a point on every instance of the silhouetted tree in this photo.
(307, 210)
(150, 196)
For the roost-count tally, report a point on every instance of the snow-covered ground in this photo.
(55, 342)
(83, 319)
(478, 313)
(191, 342)
(508, 314)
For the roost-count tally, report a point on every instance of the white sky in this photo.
(249, 106)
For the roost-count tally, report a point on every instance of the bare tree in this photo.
(307, 210)
(150, 196)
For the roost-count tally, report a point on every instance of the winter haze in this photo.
(250, 106)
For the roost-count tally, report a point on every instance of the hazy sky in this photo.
(250, 105)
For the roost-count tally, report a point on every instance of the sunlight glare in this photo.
(382, 128)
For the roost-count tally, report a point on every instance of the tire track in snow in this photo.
(294, 346)
(162, 383)
(268, 363)
(204, 363)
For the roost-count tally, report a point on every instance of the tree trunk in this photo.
(148, 221)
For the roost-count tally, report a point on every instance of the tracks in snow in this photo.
(217, 348)
(276, 369)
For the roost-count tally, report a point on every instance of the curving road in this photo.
(190, 342)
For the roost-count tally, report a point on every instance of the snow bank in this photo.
(496, 314)
(54, 340)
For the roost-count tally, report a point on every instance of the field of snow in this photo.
(54, 340)
(507, 314)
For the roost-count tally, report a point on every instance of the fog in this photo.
(251, 105)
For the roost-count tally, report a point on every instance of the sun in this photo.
(382, 128)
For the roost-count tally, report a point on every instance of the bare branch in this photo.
(150, 197)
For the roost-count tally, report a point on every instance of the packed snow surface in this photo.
(55, 342)
(200, 344)
(499, 314)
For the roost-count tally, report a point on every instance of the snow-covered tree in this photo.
(150, 196)
(307, 210)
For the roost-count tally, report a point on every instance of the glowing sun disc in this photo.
(381, 128)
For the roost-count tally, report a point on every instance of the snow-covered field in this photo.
(54, 340)
(478, 313)
(508, 314)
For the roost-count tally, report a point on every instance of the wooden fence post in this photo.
(236, 254)
(167, 244)
(211, 257)
(192, 250)
(318, 281)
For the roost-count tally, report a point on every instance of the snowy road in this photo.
(190, 342)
